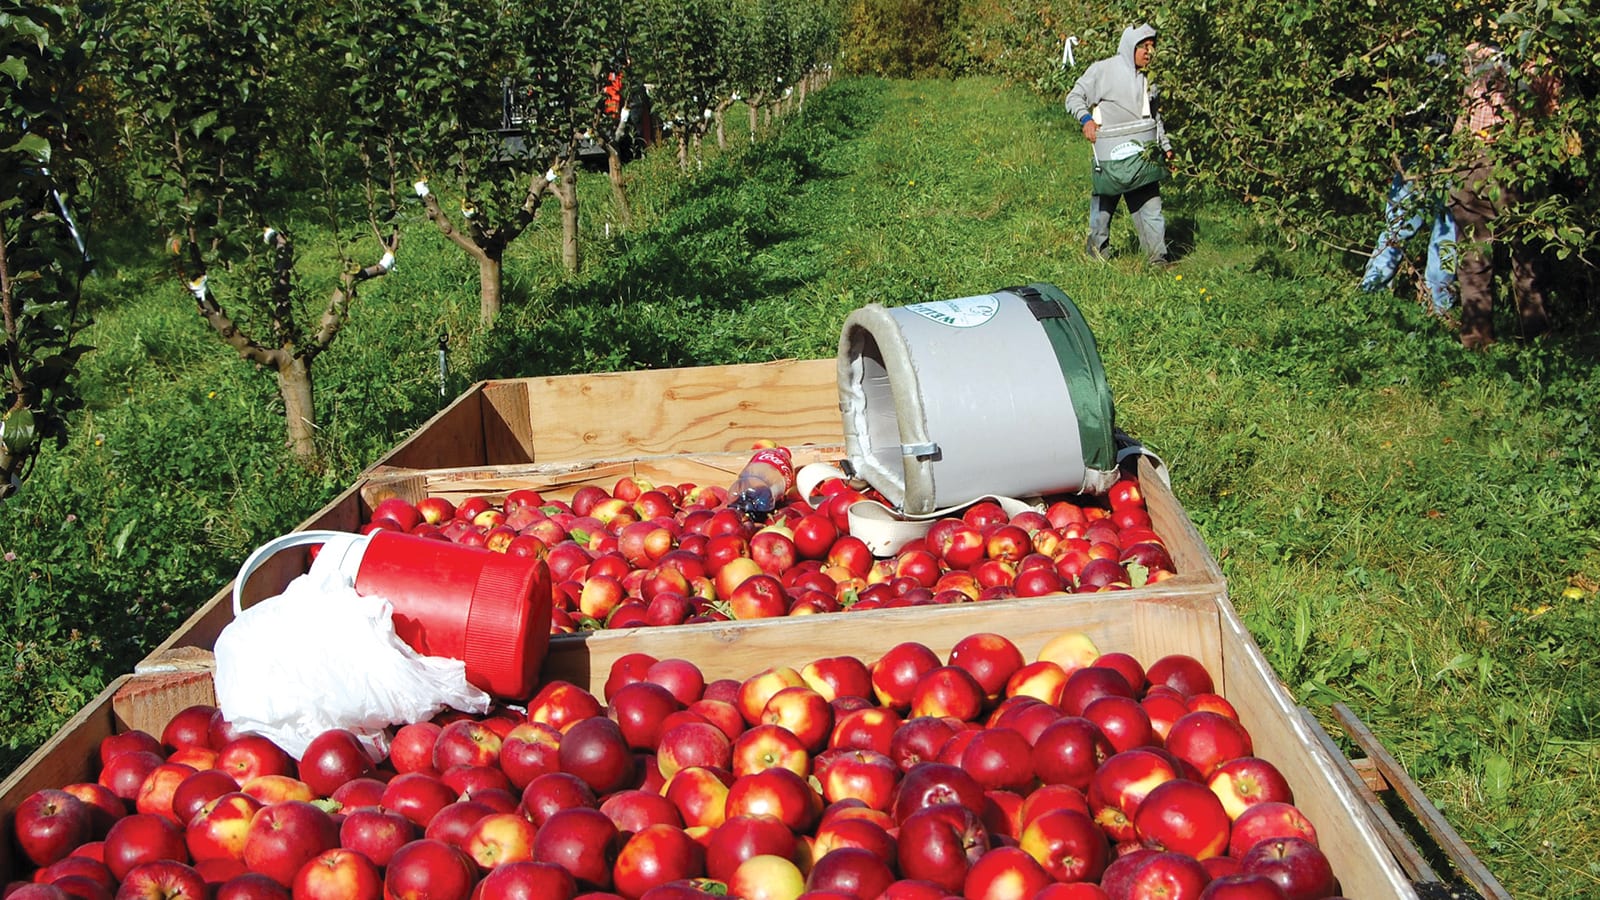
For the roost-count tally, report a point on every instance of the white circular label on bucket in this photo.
(963, 312)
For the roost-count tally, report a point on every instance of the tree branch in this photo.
(338, 310)
(220, 322)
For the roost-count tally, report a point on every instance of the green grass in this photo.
(1406, 527)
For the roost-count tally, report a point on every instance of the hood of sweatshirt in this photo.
(1132, 37)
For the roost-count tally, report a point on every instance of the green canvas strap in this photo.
(1080, 364)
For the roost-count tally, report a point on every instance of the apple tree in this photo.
(43, 258)
(686, 52)
(215, 115)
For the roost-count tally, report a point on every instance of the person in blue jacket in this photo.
(1116, 106)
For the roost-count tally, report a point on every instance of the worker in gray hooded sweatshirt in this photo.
(1116, 105)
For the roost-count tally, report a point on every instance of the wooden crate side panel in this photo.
(560, 480)
(1189, 552)
(451, 437)
(738, 650)
(1365, 866)
(507, 430)
(71, 755)
(1169, 623)
(621, 415)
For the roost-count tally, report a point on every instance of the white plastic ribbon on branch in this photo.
(387, 263)
(421, 188)
(197, 287)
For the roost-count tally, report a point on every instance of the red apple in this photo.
(164, 879)
(941, 843)
(1090, 683)
(1123, 721)
(549, 794)
(333, 758)
(1296, 865)
(429, 870)
(1005, 873)
(700, 795)
(285, 836)
(1239, 886)
(1185, 817)
(1181, 672)
(50, 823)
(767, 745)
(802, 712)
(417, 796)
(1206, 740)
(1069, 751)
(999, 759)
(1167, 875)
(583, 841)
(869, 728)
(1243, 782)
(1120, 784)
(1270, 820)
(776, 792)
(142, 838)
(251, 756)
(529, 750)
(376, 833)
(1068, 844)
(411, 749)
(527, 881)
(693, 743)
(740, 838)
(500, 838)
(338, 874)
(639, 710)
(656, 855)
(595, 750)
(455, 822)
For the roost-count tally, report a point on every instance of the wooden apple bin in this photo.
(696, 425)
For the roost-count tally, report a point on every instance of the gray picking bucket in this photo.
(998, 394)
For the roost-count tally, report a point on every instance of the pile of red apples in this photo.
(978, 775)
(642, 554)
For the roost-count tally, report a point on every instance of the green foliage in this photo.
(42, 260)
(898, 38)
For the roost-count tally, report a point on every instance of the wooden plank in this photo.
(1394, 837)
(1189, 552)
(507, 427)
(670, 411)
(452, 436)
(738, 649)
(1467, 862)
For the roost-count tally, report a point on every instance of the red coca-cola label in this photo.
(778, 458)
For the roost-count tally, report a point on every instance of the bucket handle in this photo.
(263, 552)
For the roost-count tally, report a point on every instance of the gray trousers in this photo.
(1144, 204)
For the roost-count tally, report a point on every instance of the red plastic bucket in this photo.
(487, 609)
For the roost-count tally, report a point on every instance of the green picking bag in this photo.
(1119, 176)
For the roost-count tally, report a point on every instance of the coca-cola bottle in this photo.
(761, 486)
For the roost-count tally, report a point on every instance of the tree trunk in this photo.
(752, 106)
(300, 415)
(569, 216)
(618, 196)
(722, 131)
(683, 149)
(489, 267)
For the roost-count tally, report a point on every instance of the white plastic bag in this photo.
(320, 656)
